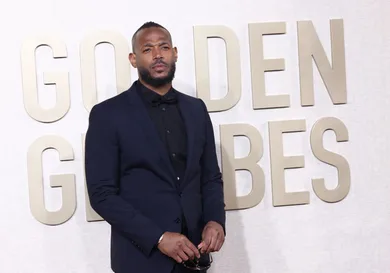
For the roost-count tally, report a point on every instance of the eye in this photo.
(146, 50)
(165, 47)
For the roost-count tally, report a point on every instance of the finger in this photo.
(209, 245)
(205, 233)
(212, 244)
(216, 241)
(182, 255)
(220, 243)
(188, 251)
(207, 237)
(193, 249)
(178, 259)
(206, 243)
(201, 245)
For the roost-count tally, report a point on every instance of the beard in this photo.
(145, 75)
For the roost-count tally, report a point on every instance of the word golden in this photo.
(310, 48)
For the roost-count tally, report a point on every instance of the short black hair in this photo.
(146, 25)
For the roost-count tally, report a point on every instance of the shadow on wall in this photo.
(233, 257)
(262, 231)
(258, 234)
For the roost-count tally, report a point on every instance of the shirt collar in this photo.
(150, 96)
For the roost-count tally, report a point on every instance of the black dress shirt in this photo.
(165, 114)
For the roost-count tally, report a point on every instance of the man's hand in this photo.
(178, 247)
(213, 238)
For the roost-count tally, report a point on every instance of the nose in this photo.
(157, 53)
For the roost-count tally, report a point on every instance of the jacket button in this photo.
(177, 220)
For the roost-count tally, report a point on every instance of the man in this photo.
(151, 166)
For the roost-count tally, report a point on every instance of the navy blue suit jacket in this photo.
(132, 185)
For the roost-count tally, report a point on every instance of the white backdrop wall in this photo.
(348, 236)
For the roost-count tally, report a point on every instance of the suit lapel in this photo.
(140, 114)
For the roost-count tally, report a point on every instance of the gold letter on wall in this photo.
(88, 64)
(259, 66)
(334, 77)
(344, 175)
(35, 181)
(230, 164)
(279, 163)
(29, 78)
(201, 34)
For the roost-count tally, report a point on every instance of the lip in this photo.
(157, 66)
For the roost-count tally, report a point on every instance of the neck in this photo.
(162, 90)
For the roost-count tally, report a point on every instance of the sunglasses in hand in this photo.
(199, 264)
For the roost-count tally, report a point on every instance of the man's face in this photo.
(154, 56)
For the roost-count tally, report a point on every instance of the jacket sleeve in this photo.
(212, 183)
(102, 169)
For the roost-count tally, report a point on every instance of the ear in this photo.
(175, 53)
(133, 60)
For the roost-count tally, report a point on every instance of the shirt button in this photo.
(163, 108)
(173, 154)
(168, 131)
(178, 178)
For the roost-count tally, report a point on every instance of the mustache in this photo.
(159, 62)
